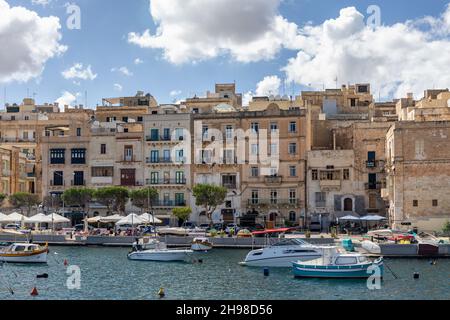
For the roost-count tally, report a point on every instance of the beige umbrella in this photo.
(94, 219)
(149, 218)
(111, 219)
(56, 218)
(39, 218)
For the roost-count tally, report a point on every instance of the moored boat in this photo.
(24, 253)
(334, 264)
(201, 244)
(160, 252)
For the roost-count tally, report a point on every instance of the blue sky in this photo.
(103, 44)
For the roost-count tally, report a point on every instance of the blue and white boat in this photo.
(334, 264)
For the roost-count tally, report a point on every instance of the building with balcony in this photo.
(13, 171)
(168, 152)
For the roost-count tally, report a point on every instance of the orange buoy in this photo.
(34, 292)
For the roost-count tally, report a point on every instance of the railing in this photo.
(57, 161)
(231, 186)
(78, 183)
(274, 202)
(273, 179)
(154, 182)
(165, 160)
(129, 159)
(168, 203)
(59, 184)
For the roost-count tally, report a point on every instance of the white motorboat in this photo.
(24, 253)
(201, 244)
(160, 253)
(371, 247)
(145, 243)
(282, 254)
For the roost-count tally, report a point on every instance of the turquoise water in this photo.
(107, 274)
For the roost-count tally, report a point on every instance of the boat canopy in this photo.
(272, 231)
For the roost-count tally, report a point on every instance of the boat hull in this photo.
(163, 256)
(278, 261)
(200, 247)
(345, 272)
(32, 258)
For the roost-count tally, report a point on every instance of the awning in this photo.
(271, 231)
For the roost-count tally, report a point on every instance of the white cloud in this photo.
(67, 99)
(396, 59)
(138, 61)
(270, 85)
(28, 41)
(175, 93)
(123, 70)
(118, 87)
(41, 2)
(195, 30)
(77, 71)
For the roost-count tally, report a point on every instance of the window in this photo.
(228, 156)
(292, 196)
(435, 203)
(166, 156)
(205, 132)
(166, 136)
(372, 181)
(102, 172)
(78, 132)
(179, 156)
(255, 127)
(415, 203)
(229, 132)
(154, 156)
(125, 119)
(179, 134)
(292, 148)
(293, 127)
(293, 171)
(273, 127)
(140, 119)
(103, 148)
(58, 178)
(274, 172)
(255, 172)
(353, 102)
(25, 135)
(179, 177)
(78, 178)
(371, 162)
(314, 175)
(346, 174)
(154, 178)
(274, 149)
(255, 149)
(255, 197)
(57, 156)
(229, 181)
(78, 156)
(179, 200)
(321, 199)
(342, 261)
(154, 135)
(274, 197)
(128, 153)
(292, 216)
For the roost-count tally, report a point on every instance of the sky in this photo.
(174, 49)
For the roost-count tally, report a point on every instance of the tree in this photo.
(446, 228)
(2, 198)
(115, 198)
(182, 213)
(79, 197)
(144, 198)
(23, 199)
(209, 197)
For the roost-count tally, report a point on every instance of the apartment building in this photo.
(13, 171)
(168, 158)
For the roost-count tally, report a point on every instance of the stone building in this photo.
(224, 94)
(418, 174)
(13, 171)
(168, 154)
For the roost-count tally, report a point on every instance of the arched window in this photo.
(348, 204)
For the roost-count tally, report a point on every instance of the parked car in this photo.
(189, 225)
(12, 226)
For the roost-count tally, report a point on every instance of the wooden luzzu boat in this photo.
(24, 253)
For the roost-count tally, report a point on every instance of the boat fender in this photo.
(161, 293)
(416, 275)
(34, 292)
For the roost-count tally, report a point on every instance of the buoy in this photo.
(42, 276)
(34, 292)
(161, 293)
(200, 261)
(416, 275)
(266, 272)
(66, 263)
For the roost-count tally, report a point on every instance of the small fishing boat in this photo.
(24, 253)
(201, 244)
(145, 243)
(334, 264)
(160, 253)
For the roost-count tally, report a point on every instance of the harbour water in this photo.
(106, 273)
